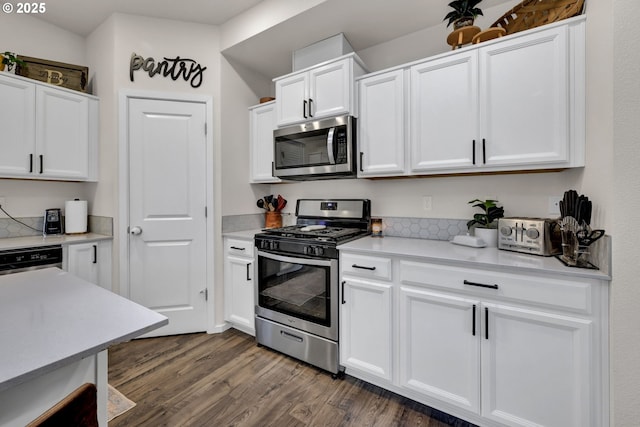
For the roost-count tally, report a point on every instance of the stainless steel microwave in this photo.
(316, 150)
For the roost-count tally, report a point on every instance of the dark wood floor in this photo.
(227, 380)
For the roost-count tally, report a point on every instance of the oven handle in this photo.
(306, 261)
(332, 159)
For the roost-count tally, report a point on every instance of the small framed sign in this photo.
(70, 76)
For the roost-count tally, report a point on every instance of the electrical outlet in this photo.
(426, 203)
(554, 205)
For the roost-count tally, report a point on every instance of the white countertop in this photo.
(49, 318)
(62, 239)
(446, 252)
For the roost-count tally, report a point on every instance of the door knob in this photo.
(136, 230)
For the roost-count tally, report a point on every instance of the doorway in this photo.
(165, 149)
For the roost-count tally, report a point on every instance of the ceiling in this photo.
(365, 23)
(84, 16)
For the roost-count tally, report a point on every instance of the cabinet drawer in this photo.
(555, 293)
(239, 247)
(366, 266)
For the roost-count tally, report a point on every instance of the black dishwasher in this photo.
(32, 258)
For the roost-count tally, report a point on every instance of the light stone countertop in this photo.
(444, 252)
(50, 318)
(62, 239)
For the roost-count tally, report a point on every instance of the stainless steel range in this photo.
(297, 279)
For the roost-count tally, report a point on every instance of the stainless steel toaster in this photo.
(537, 236)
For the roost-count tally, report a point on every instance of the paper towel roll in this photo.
(75, 216)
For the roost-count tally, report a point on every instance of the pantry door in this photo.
(167, 211)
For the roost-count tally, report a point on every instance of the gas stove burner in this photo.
(321, 226)
(326, 233)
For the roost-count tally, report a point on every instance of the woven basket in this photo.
(534, 13)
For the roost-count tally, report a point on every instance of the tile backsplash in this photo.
(32, 226)
(423, 228)
(418, 228)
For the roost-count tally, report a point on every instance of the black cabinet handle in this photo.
(343, 301)
(30, 163)
(361, 155)
(41, 163)
(473, 330)
(248, 268)
(473, 147)
(236, 248)
(363, 267)
(486, 323)
(304, 108)
(95, 254)
(310, 107)
(484, 152)
(480, 285)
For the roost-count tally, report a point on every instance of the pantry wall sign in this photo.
(175, 68)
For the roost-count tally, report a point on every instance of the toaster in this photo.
(537, 236)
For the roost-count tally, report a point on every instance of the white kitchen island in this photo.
(54, 333)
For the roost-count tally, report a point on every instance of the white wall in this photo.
(263, 16)
(29, 36)
(238, 197)
(424, 43)
(111, 46)
(625, 292)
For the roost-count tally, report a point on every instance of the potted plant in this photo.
(463, 14)
(9, 60)
(485, 224)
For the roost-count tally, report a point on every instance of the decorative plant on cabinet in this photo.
(463, 14)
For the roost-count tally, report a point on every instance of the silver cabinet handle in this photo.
(136, 230)
(332, 160)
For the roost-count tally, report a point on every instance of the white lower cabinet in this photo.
(439, 346)
(89, 261)
(238, 284)
(365, 326)
(493, 348)
(536, 368)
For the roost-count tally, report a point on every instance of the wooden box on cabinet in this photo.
(70, 76)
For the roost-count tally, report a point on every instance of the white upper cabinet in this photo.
(514, 103)
(524, 100)
(17, 121)
(62, 134)
(381, 125)
(322, 91)
(444, 112)
(506, 106)
(53, 132)
(262, 122)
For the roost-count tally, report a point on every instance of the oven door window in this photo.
(295, 289)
